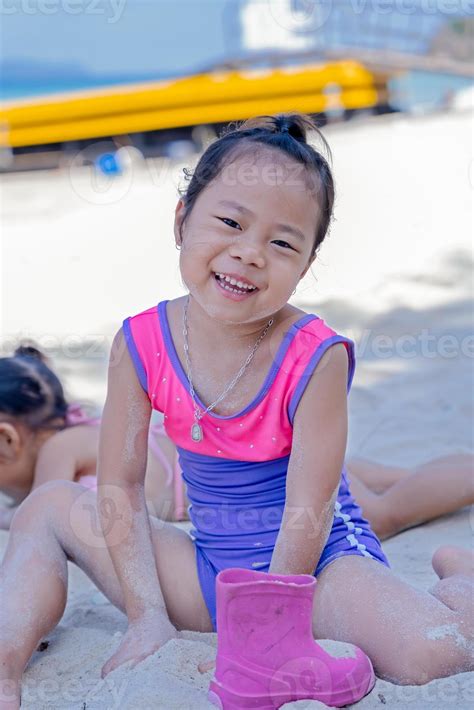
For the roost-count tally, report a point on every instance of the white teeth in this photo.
(234, 282)
(233, 290)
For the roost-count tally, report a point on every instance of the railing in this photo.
(428, 35)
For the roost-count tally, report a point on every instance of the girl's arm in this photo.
(123, 448)
(57, 459)
(314, 469)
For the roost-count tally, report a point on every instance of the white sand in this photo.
(398, 265)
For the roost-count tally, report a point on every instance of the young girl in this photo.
(43, 438)
(254, 396)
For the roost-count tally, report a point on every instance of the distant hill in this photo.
(20, 77)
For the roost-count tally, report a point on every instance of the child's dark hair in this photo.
(30, 391)
(285, 132)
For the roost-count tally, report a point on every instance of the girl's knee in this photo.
(44, 503)
(434, 658)
(382, 518)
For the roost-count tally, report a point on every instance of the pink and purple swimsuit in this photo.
(236, 475)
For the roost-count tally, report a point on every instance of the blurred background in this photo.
(104, 102)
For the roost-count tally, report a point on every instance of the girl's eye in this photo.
(275, 241)
(227, 219)
(279, 241)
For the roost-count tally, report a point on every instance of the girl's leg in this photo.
(411, 636)
(435, 488)
(453, 589)
(33, 575)
(375, 476)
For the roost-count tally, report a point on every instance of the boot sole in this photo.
(225, 699)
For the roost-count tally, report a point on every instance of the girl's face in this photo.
(256, 220)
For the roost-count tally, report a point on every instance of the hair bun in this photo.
(29, 351)
(295, 124)
(292, 124)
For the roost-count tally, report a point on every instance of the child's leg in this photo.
(33, 575)
(435, 488)
(375, 476)
(410, 635)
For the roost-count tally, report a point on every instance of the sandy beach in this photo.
(395, 276)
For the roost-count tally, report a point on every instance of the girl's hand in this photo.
(142, 638)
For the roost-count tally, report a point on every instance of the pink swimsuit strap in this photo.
(76, 415)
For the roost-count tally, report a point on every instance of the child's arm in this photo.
(57, 459)
(315, 465)
(123, 448)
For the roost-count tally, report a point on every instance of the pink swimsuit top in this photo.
(262, 431)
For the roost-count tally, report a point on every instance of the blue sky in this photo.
(53, 45)
(119, 36)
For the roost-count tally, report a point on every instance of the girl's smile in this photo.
(229, 288)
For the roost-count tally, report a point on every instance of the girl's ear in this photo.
(178, 220)
(10, 442)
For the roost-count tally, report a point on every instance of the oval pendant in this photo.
(196, 432)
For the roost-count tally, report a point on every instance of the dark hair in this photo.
(30, 391)
(285, 132)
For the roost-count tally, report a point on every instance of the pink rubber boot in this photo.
(266, 653)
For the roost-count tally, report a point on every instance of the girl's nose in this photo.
(247, 252)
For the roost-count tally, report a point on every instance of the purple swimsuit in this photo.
(236, 475)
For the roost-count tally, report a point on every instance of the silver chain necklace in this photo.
(196, 429)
